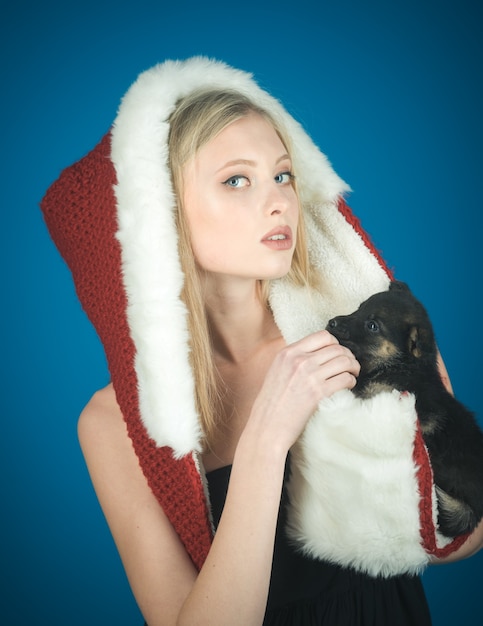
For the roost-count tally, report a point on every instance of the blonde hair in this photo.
(197, 119)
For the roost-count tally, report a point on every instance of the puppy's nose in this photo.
(338, 328)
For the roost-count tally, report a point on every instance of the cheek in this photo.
(216, 225)
(203, 240)
(201, 223)
(211, 242)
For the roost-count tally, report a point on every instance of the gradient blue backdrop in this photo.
(391, 91)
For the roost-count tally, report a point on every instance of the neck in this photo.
(240, 322)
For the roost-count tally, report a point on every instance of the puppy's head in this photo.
(389, 329)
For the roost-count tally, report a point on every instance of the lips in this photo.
(280, 238)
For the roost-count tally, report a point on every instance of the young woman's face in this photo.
(240, 202)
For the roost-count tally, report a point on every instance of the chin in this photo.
(279, 271)
(274, 275)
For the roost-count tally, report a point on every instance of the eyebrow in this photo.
(249, 162)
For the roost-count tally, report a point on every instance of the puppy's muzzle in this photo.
(338, 327)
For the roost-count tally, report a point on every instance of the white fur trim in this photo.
(353, 487)
(349, 275)
(150, 263)
(349, 272)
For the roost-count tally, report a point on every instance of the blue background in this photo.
(391, 91)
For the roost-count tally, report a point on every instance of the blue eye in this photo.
(284, 177)
(372, 326)
(236, 181)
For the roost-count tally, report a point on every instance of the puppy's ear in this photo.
(397, 285)
(414, 342)
(420, 341)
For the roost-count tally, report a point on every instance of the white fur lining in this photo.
(349, 272)
(147, 234)
(352, 452)
(353, 487)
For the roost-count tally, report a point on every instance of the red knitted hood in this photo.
(112, 217)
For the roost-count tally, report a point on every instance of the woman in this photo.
(209, 305)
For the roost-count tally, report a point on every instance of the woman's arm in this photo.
(159, 570)
(474, 543)
(443, 372)
(232, 586)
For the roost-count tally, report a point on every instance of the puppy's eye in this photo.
(373, 326)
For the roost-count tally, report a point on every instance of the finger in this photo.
(334, 352)
(316, 341)
(345, 380)
(340, 364)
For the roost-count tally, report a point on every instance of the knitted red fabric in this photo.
(356, 225)
(80, 212)
(425, 482)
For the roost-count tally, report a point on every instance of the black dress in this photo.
(306, 592)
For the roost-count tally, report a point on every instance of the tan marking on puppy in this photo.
(382, 350)
(388, 348)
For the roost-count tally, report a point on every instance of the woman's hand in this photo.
(301, 375)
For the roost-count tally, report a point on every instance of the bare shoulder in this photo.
(102, 405)
(101, 420)
(159, 569)
(105, 443)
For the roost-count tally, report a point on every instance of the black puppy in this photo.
(392, 338)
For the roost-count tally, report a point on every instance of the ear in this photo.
(397, 285)
(414, 342)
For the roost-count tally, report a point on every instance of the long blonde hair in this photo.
(197, 119)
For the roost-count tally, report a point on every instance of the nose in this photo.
(280, 199)
(337, 327)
